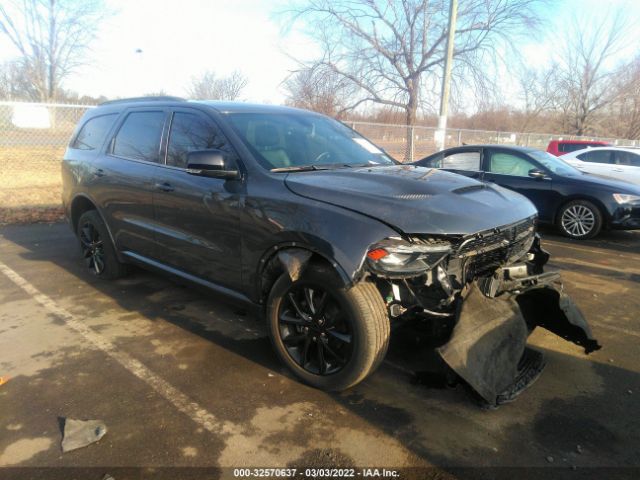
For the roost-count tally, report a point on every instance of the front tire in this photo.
(98, 252)
(580, 220)
(328, 336)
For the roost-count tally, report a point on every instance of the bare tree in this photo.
(52, 38)
(586, 77)
(538, 95)
(389, 49)
(14, 84)
(209, 86)
(624, 114)
(319, 89)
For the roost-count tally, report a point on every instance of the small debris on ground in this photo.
(270, 374)
(629, 392)
(611, 360)
(550, 459)
(578, 449)
(107, 477)
(80, 433)
(4, 380)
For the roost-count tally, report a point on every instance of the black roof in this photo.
(223, 106)
(158, 98)
(497, 145)
(219, 105)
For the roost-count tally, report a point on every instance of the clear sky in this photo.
(183, 38)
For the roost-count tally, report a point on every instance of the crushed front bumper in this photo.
(487, 348)
(487, 323)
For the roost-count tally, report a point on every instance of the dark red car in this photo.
(560, 147)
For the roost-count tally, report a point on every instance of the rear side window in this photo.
(596, 156)
(572, 147)
(139, 136)
(627, 158)
(462, 161)
(191, 132)
(91, 135)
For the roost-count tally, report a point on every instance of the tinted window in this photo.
(627, 158)
(462, 161)
(301, 140)
(508, 164)
(191, 132)
(92, 134)
(139, 136)
(596, 156)
(572, 147)
(553, 163)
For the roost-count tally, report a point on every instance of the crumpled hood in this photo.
(415, 199)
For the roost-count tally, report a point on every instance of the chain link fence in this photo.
(393, 139)
(33, 137)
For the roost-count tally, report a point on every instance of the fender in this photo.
(102, 217)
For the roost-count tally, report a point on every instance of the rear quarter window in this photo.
(92, 134)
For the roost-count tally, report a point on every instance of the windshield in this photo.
(291, 140)
(554, 164)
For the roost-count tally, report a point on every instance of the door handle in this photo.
(99, 173)
(164, 187)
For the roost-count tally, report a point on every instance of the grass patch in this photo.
(30, 184)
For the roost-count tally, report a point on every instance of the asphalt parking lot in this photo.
(183, 379)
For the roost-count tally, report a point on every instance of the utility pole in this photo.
(441, 133)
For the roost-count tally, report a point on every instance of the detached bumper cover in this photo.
(494, 319)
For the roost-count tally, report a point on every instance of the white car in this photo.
(615, 162)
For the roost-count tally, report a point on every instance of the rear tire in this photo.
(580, 220)
(97, 249)
(330, 337)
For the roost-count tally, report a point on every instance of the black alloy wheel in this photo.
(92, 248)
(315, 329)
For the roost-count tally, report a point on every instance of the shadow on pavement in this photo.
(577, 401)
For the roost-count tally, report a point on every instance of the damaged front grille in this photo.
(490, 249)
(485, 251)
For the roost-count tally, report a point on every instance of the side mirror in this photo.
(537, 174)
(210, 163)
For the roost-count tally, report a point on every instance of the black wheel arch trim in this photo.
(73, 222)
(271, 255)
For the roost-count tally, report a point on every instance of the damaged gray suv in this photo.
(300, 216)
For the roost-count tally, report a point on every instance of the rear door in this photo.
(510, 169)
(627, 165)
(198, 217)
(124, 178)
(600, 162)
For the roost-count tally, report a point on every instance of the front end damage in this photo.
(480, 296)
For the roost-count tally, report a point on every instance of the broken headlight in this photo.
(396, 257)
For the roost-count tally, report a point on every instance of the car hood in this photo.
(415, 199)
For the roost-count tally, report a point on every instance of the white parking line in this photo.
(174, 396)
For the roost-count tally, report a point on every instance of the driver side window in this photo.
(508, 164)
(191, 132)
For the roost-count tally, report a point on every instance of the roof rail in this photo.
(158, 98)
